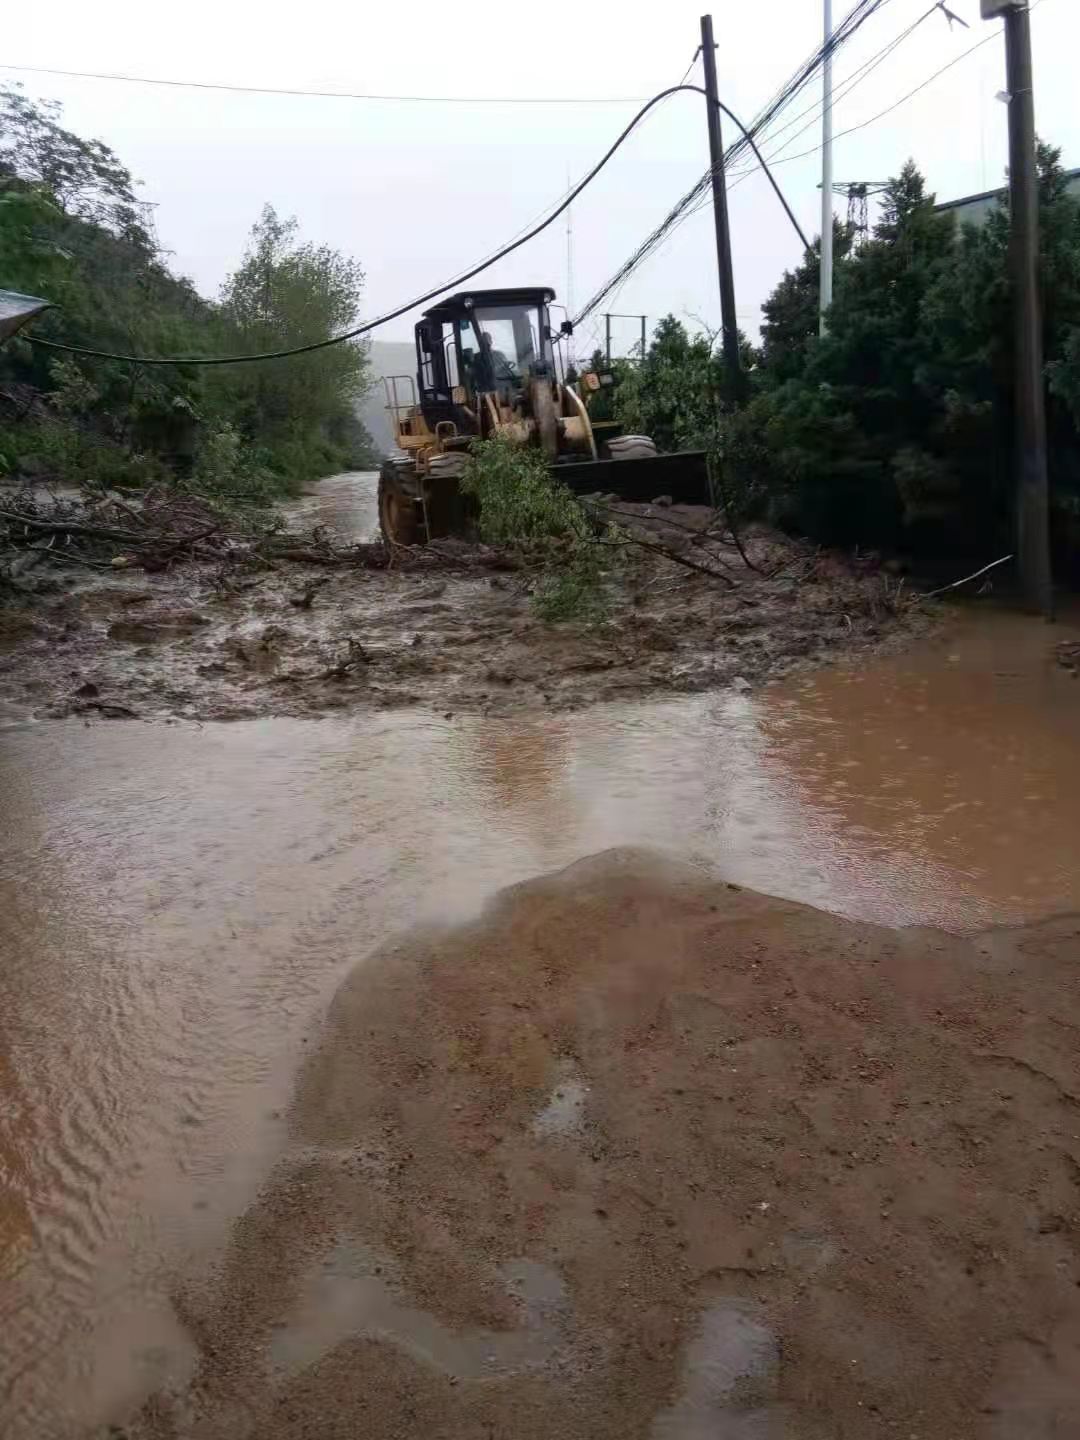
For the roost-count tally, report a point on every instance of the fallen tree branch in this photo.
(929, 594)
(66, 557)
(702, 534)
(718, 489)
(74, 527)
(173, 544)
(705, 532)
(668, 555)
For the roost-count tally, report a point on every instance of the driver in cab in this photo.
(495, 363)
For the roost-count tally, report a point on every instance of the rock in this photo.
(740, 683)
(88, 690)
(663, 501)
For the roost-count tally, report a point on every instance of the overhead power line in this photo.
(852, 82)
(862, 125)
(329, 94)
(778, 159)
(697, 198)
(860, 12)
(359, 330)
(693, 62)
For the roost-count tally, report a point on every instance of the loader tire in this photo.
(397, 509)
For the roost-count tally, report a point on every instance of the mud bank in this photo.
(641, 1154)
(203, 641)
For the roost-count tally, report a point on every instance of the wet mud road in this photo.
(452, 628)
(298, 1139)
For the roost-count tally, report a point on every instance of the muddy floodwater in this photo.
(345, 506)
(179, 902)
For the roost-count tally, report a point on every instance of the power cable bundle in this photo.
(860, 12)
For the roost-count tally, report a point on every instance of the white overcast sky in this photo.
(418, 191)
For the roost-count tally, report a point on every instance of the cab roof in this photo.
(465, 300)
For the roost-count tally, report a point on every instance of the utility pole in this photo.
(1032, 485)
(825, 288)
(720, 213)
(607, 338)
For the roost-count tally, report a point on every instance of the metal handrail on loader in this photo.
(393, 403)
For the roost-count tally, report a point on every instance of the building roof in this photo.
(1072, 179)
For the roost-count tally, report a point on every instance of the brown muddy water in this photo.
(346, 506)
(179, 902)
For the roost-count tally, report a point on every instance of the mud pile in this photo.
(639, 1154)
(302, 632)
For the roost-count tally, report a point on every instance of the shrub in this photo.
(522, 504)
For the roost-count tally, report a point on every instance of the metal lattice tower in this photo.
(858, 209)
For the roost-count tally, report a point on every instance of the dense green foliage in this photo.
(896, 428)
(521, 504)
(73, 231)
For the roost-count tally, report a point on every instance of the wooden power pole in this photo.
(728, 322)
(1032, 485)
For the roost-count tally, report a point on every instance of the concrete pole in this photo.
(720, 214)
(826, 286)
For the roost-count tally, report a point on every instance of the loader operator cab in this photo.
(481, 342)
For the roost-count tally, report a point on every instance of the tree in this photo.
(846, 419)
(286, 294)
(32, 259)
(85, 177)
(896, 428)
(674, 395)
(791, 315)
(73, 231)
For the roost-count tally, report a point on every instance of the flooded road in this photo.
(179, 902)
(346, 506)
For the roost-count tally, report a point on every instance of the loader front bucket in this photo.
(683, 476)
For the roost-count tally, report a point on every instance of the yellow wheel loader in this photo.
(486, 366)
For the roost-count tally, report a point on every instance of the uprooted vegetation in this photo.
(521, 506)
(168, 605)
(578, 547)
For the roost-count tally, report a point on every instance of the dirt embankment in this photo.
(204, 631)
(638, 1154)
